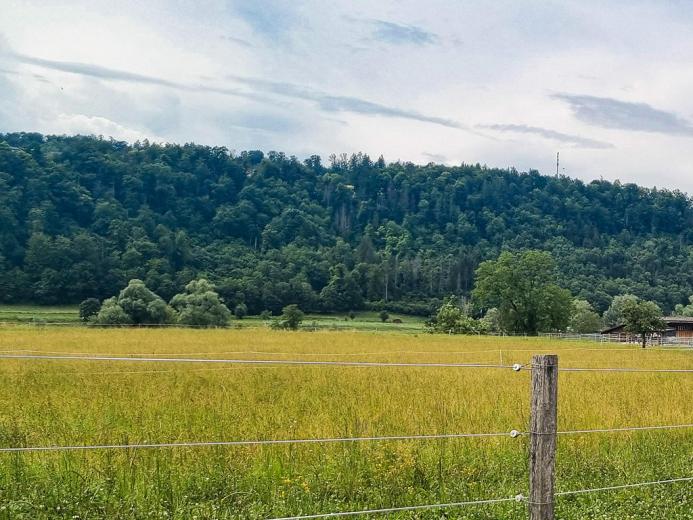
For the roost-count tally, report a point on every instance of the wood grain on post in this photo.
(542, 440)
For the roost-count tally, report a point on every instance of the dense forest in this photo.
(80, 216)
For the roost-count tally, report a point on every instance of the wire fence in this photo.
(623, 338)
(366, 364)
(517, 498)
(363, 364)
(329, 440)
(515, 433)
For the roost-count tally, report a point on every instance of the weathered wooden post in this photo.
(542, 440)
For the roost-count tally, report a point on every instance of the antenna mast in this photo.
(558, 155)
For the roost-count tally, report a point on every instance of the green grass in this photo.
(363, 321)
(337, 321)
(39, 313)
(63, 403)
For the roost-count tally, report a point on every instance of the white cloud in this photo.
(93, 125)
(465, 81)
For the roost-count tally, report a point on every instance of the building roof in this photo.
(669, 320)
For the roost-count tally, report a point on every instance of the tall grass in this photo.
(77, 402)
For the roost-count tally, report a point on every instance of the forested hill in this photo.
(80, 216)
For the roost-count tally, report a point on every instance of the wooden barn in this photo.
(679, 328)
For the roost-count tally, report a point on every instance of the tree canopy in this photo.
(137, 305)
(81, 216)
(522, 286)
(643, 318)
(200, 306)
(290, 319)
(584, 319)
(453, 318)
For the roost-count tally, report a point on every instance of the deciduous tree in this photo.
(643, 318)
(522, 286)
(201, 306)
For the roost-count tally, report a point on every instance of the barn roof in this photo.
(669, 320)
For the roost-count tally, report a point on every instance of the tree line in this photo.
(515, 293)
(199, 305)
(521, 295)
(81, 216)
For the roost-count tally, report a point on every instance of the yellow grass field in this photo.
(68, 402)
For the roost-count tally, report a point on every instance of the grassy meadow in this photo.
(39, 314)
(87, 402)
(363, 320)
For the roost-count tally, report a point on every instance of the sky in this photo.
(504, 83)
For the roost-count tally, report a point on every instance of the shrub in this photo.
(112, 314)
(89, 308)
(290, 319)
(453, 319)
(135, 304)
(240, 311)
(201, 306)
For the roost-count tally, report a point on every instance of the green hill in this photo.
(79, 216)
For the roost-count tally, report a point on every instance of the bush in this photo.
(290, 319)
(89, 308)
(453, 319)
(384, 316)
(240, 311)
(112, 314)
(266, 315)
(135, 304)
(201, 306)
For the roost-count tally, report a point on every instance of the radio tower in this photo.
(558, 155)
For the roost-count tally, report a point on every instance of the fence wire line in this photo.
(624, 486)
(363, 353)
(324, 363)
(626, 369)
(145, 371)
(400, 509)
(344, 354)
(517, 498)
(328, 440)
(252, 361)
(627, 429)
(260, 352)
(255, 443)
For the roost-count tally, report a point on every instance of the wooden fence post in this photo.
(542, 440)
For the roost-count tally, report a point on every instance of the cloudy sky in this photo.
(505, 83)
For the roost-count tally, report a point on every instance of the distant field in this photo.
(62, 402)
(40, 314)
(362, 320)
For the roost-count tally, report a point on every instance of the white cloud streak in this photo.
(504, 83)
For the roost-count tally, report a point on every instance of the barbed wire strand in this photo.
(250, 361)
(256, 442)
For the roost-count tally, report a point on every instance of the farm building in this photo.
(678, 328)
